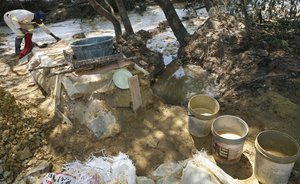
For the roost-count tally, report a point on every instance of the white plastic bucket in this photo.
(202, 110)
(229, 135)
(276, 153)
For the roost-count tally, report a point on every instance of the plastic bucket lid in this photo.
(120, 78)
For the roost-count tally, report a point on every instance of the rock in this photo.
(24, 154)
(104, 126)
(34, 174)
(100, 120)
(169, 169)
(10, 179)
(78, 35)
(5, 134)
(60, 5)
(144, 180)
(259, 52)
(169, 180)
(179, 83)
(6, 174)
(152, 142)
(42, 167)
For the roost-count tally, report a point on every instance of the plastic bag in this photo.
(58, 178)
(103, 170)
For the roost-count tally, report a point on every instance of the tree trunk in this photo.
(21, 4)
(110, 7)
(175, 23)
(208, 4)
(247, 18)
(101, 11)
(124, 17)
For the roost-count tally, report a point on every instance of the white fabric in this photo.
(17, 19)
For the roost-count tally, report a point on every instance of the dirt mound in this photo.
(241, 61)
(216, 46)
(22, 134)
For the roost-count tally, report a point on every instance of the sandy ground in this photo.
(154, 135)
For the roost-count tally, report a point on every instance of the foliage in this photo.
(129, 4)
(257, 10)
(280, 18)
(31, 5)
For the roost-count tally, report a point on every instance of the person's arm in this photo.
(46, 30)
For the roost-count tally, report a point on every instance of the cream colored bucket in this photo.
(276, 153)
(202, 110)
(229, 135)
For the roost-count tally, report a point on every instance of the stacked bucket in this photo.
(276, 152)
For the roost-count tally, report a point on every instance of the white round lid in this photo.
(120, 78)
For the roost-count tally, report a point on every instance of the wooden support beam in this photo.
(135, 92)
(57, 90)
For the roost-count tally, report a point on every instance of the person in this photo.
(22, 23)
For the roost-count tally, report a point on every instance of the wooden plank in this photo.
(137, 67)
(135, 92)
(57, 90)
(107, 68)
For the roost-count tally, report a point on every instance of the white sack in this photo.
(201, 169)
(103, 170)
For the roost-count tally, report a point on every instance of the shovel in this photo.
(44, 45)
